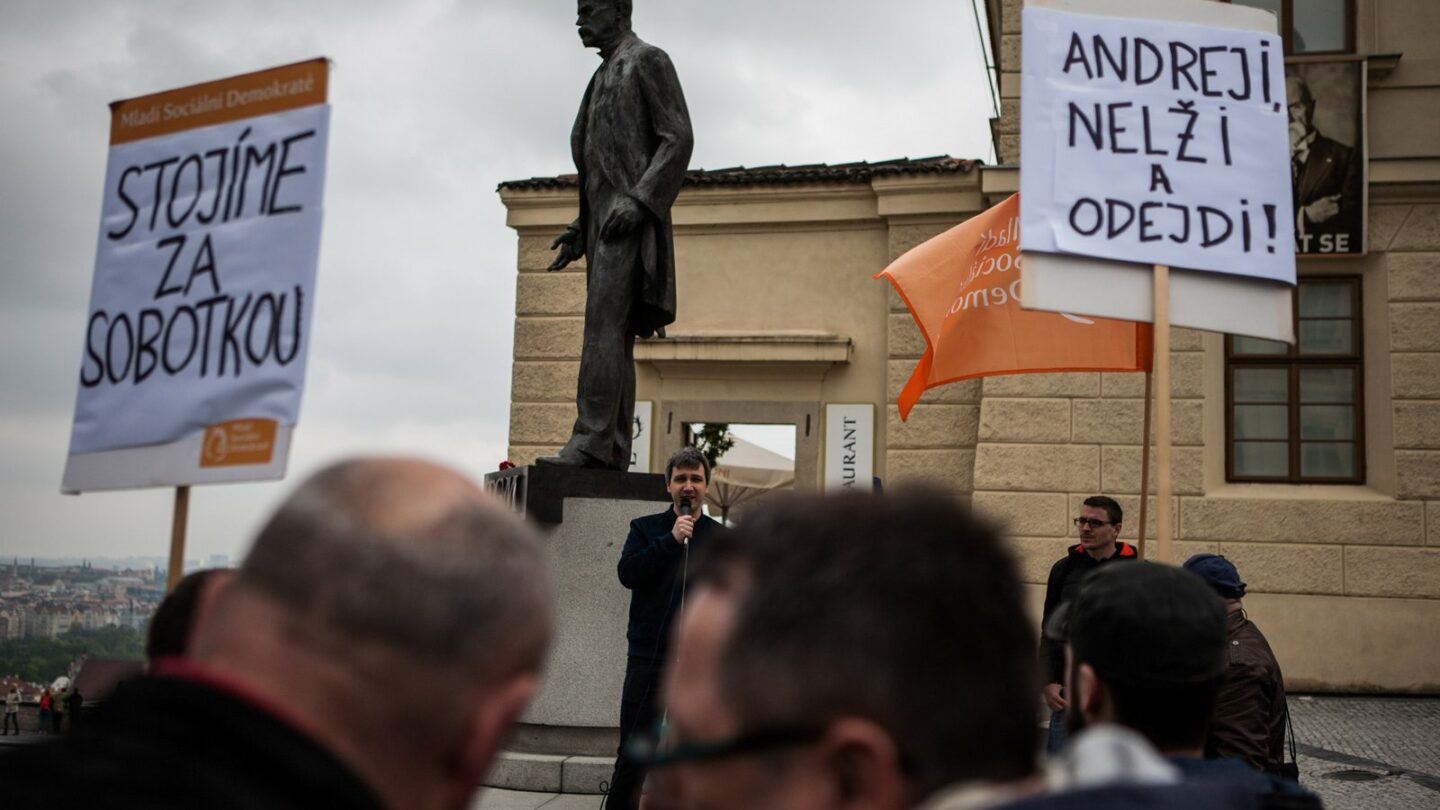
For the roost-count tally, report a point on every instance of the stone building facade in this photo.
(779, 316)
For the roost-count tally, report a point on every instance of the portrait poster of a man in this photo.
(1327, 155)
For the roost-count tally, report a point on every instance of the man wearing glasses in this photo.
(1099, 527)
(855, 651)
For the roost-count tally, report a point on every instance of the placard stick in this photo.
(1145, 462)
(1164, 550)
(177, 537)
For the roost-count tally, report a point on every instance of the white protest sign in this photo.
(1156, 141)
(1210, 216)
(850, 446)
(194, 352)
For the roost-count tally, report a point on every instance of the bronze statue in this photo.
(631, 144)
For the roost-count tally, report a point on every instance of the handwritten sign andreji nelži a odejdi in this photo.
(1156, 142)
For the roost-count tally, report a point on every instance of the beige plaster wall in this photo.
(1339, 644)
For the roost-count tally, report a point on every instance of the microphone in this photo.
(685, 505)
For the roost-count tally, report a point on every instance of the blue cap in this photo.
(1219, 572)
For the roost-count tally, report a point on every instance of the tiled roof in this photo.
(859, 172)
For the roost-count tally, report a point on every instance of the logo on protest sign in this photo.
(1156, 142)
(963, 289)
(205, 268)
(239, 442)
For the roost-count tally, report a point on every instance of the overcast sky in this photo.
(434, 103)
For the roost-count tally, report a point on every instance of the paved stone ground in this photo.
(1369, 753)
(1358, 753)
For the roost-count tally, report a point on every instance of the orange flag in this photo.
(963, 289)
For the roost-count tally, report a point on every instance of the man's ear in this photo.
(1091, 692)
(863, 765)
(490, 722)
(210, 592)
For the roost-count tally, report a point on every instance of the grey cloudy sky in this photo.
(434, 103)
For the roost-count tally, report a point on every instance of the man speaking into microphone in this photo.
(654, 566)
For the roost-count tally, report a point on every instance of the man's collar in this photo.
(616, 45)
(188, 669)
(981, 795)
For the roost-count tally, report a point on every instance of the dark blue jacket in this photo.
(1144, 797)
(652, 567)
(1234, 771)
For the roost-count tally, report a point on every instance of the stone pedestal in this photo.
(567, 738)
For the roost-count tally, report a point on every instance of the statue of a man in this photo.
(631, 145)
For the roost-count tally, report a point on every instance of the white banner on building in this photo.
(640, 442)
(1153, 134)
(193, 360)
(1156, 141)
(850, 446)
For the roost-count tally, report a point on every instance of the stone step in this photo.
(550, 773)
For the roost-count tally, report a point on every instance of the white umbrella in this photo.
(747, 471)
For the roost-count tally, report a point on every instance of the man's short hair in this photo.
(904, 609)
(1109, 504)
(1155, 635)
(457, 590)
(687, 457)
(169, 631)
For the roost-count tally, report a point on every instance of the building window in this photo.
(1294, 414)
(1312, 26)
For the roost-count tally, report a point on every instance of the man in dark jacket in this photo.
(631, 144)
(1249, 720)
(1099, 528)
(1147, 652)
(654, 566)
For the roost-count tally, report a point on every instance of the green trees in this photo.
(713, 439)
(42, 660)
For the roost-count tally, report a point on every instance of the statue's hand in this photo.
(570, 249)
(622, 219)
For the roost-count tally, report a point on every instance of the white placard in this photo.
(850, 446)
(640, 442)
(1156, 141)
(1198, 300)
(194, 351)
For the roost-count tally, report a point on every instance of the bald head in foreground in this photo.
(384, 632)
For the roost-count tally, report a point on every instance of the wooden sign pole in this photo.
(1145, 464)
(177, 537)
(1164, 515)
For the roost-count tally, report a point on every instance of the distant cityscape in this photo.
(48, 597)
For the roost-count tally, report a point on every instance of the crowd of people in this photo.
(391, 620)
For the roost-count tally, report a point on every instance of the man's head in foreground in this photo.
(1146, 650)
(400, 614)
(850, 651)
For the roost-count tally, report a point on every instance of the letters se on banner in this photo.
(1156, 142)
(200, 307)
